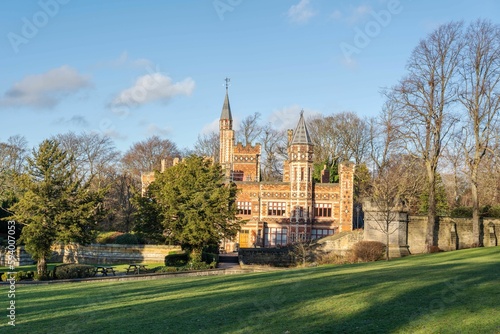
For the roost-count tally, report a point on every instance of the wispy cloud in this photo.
(154, 129)
(112, 133)
(75, 120)
(124, 60)
(46, 90)
(211, 127)
(301, 12)
(287, 117)
(353, 15)
(150, 88)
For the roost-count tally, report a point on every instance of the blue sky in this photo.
(133, 69)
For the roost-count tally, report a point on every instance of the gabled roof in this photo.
(226, 109)
(301, 135)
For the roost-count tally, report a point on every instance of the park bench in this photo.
(105, 270)
(136, 268)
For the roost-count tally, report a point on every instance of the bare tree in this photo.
(146, 156)
(326, 138)
(274, 146)
(354, 136)
(250, 129)
(208, 145)
(339, 137)
(93, 155)
(13, 154)
(383, 137)
(423, 101)
(386, 199)
(454, 179)
(480, 95)
(118, 202)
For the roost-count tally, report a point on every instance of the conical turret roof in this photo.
(226, 109)
(301, 134)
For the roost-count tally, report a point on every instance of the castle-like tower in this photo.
(296, 209)
(280, 213)
(300, 165)
(226, 134)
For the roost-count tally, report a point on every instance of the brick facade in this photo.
(280, 213)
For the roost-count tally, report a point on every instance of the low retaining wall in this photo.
(340, 243)
(111, 253)
(22, 258)
(265, 256)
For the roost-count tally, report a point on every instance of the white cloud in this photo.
(359, 13)
(45, 90)
(353, 15)
(211, 127)
(301, 12)
(336, 15)
(124, 60)
(113, 134)
(152, 87)
(154, 129)
(287, 117)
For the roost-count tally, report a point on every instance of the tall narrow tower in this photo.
(300, 157)
(226, 134)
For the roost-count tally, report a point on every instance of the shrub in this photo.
(367, 251)
(461, 212)
(210, 257)
(166, 270)
(485, 211)
(434, 249)
(108, 237)
(331, 258)
(67, 271)
(195, 265)
(176, 260)
(491, 211)
(43, 277)
(18, 276)
(127, 239)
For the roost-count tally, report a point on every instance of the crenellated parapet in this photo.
(247, 149)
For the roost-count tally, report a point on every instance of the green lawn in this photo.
(118, 267)
(454, 292)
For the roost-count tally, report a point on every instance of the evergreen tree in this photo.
(198, 208)
(148, 219)
(55, 205)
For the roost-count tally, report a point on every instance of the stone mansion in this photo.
(279, 213)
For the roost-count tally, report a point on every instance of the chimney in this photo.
(325, 175)
(163, 162)
(290, 136)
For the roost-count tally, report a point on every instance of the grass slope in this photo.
(454, 292)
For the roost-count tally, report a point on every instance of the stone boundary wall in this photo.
(95, 254)
(110, 253)
(452, 233)
(340, 243)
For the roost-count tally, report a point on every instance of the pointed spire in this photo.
(226, 107)
(301, 135)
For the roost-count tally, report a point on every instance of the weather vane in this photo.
(227, 82)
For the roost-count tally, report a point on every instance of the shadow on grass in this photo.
(409, 295)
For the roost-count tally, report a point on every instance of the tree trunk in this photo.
(387, 242)
(430, 239)
(41, 266)
(476, 221)
(195, 255)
